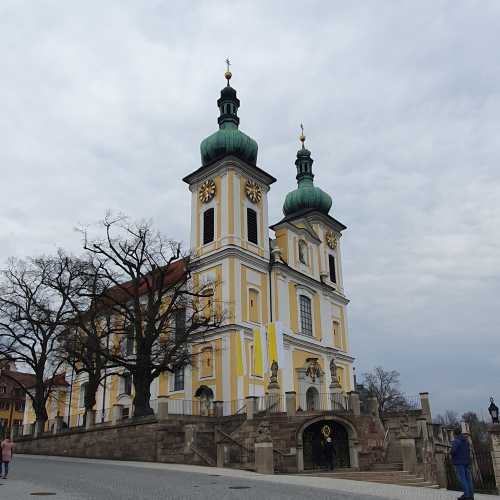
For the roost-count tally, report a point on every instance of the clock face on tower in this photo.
(207, 191)
(331, 240)
(253, 191)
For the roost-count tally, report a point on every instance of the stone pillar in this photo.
(264, 459)
(38, 428)
(219, 408)
(58, 425)
(441, 475)
(426, 405)
(90, 419)
(408, 453)
(354, 403)
(189, 437)
(250, 404)
(494, 430)
(162, 412)
(220, 455)
(291, 403)
(422, 427)
(116, 413)
(373, 406)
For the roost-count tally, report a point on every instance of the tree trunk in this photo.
(142, 398)
(90, 397)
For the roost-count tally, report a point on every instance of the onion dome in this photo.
(307, 196)
(228, 140)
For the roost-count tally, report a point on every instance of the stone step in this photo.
(388, 466)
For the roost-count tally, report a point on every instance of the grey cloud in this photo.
(105, 106)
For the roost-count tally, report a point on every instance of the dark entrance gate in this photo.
(314, 439)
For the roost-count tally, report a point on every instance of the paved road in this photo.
(79, 479)
(74, 480)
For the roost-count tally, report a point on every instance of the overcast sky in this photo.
(104, 104)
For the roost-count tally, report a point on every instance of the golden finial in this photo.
(228, 73)
(302, 137)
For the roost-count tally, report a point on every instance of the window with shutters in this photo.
(208, 226)
(254, 308)
(305, 315)
(252, 226)
(331, 263)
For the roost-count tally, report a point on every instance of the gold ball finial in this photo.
(228, 73)
(302, 137)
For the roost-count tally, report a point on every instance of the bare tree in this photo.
(449, 418)
(158, 310)
(384, 385)
(89, 328)
(32, 318)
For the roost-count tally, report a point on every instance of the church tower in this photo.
(230, 242)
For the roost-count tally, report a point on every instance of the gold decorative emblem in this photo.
(207, 191)
(253, 191)
(326, 431)
(331, 240)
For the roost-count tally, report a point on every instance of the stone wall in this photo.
(147, 440)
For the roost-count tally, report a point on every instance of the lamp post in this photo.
(493, 409)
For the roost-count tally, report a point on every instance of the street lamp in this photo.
(493, 409)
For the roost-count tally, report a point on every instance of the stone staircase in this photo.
(392, 473)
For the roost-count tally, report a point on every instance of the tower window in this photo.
(208, 226)
(303, 252)
(305, 316)
(252, 226)
(331, 263)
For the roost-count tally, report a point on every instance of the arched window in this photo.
(303, 252)
(253, 306)
(305, 315)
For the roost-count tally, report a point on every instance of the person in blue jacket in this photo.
(460, 457)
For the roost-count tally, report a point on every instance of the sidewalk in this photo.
(388, 491)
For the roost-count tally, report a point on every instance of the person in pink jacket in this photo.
(7, 446)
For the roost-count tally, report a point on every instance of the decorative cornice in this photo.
(231, 251)
(313, 344)
(228, 162)
(310, 281)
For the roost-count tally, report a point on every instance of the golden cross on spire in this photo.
(302, 137)
(228, 73)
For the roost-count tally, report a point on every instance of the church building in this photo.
(285, 326)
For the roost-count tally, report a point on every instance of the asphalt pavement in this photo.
(79, 479)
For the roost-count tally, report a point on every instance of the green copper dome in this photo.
(228, 140)
(307, 196)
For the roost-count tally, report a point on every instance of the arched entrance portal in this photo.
(206, 398)
(314, 440)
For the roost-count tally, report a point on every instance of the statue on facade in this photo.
(334, 375)
(274, 372)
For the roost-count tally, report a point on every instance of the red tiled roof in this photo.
(25, 379)
(174, 273)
